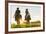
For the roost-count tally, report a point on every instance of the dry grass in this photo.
(33, 24)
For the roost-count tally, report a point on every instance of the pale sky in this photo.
(35, 11)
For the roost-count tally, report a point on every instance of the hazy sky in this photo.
(33, 10)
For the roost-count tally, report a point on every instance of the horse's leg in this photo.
(28, 22)
(18, 22)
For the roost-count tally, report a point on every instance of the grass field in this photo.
(33, 24)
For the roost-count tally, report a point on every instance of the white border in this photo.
(23, 29)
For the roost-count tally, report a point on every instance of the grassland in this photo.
(32, 24)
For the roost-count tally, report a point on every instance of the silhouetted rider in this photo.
(27, 16)
(17, 16)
